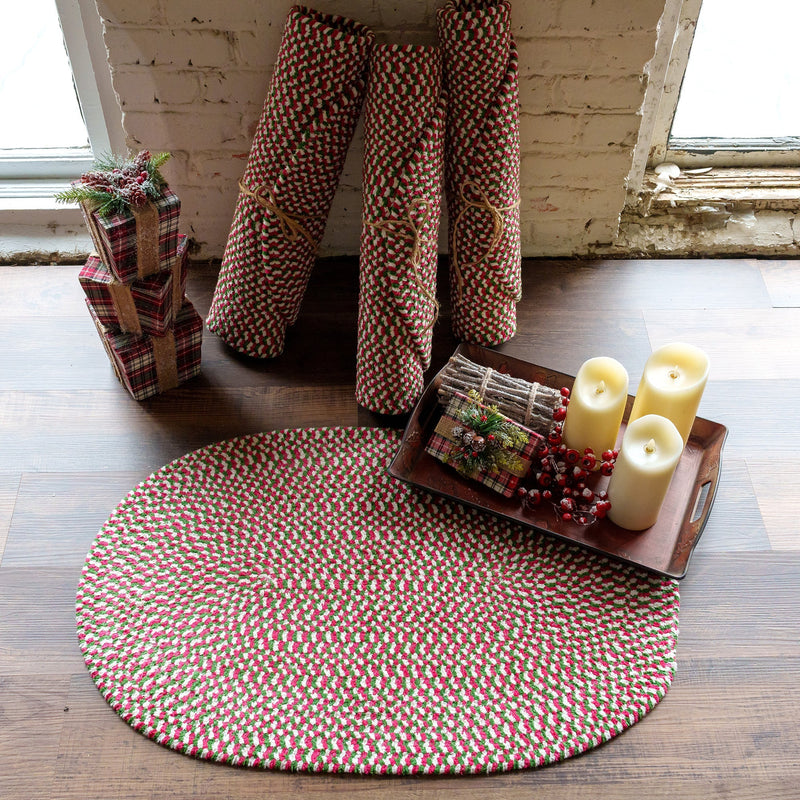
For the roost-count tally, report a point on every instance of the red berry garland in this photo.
(563, 474)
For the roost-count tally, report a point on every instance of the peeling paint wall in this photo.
(705, 231)
(702, 233)
(191, 77)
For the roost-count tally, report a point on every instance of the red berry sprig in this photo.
(115, 185)
(563, 473)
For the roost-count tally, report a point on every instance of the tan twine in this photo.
(406, 228)
(498, 227)
(292, 225)
(531, 401)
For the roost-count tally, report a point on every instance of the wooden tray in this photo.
(665, 548)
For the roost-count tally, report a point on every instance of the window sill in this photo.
(723, 189)
(34, 228)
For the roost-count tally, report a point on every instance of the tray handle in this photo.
(706, 488)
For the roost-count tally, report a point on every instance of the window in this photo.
(729, 97)
(739, 90)
(58, 104)
(35, 75)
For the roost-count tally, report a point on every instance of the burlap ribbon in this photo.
(166, 361)
(148, 258)
(177, 289)
(124, 307)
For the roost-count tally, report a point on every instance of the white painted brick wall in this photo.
(191, 77)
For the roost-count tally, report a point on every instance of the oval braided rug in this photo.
(279, 601)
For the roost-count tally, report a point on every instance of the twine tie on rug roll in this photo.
(291, 224)
(406, 228)
(483, 203)
(481, 73)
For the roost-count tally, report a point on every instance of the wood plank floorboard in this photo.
(9, 486)
(73, 443)
(778, 500)
(782, 279)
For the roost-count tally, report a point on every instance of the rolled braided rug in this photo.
(482, 166)
(280, 601)
(402, 173)
(295, 162)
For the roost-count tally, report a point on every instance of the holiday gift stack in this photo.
(135, 284)
(482, 180)
(295, 162)
(403, 152)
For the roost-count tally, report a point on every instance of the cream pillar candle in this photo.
(672, 384)
(596, 405)
(651, 449)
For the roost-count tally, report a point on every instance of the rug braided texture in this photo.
(280, 601)
(403, 156)
(295, 162)
(482, 167)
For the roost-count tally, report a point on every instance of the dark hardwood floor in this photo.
(72, 443)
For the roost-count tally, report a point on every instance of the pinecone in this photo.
(134, 194)
(98, 180)
(140, 162)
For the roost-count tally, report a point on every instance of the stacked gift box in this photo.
(135, 286)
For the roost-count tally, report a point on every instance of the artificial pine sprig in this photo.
(486, 440)
(115, 184)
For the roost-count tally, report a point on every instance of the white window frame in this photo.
(38, 173)
(710, 152)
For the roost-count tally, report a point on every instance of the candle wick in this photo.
(650, 447)
(674, 373)
(601, 387)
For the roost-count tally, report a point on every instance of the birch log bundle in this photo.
(531, 404)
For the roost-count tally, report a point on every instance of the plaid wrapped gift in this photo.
(140, 243)
(149, 365)
(443, 443)
(148, 305)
